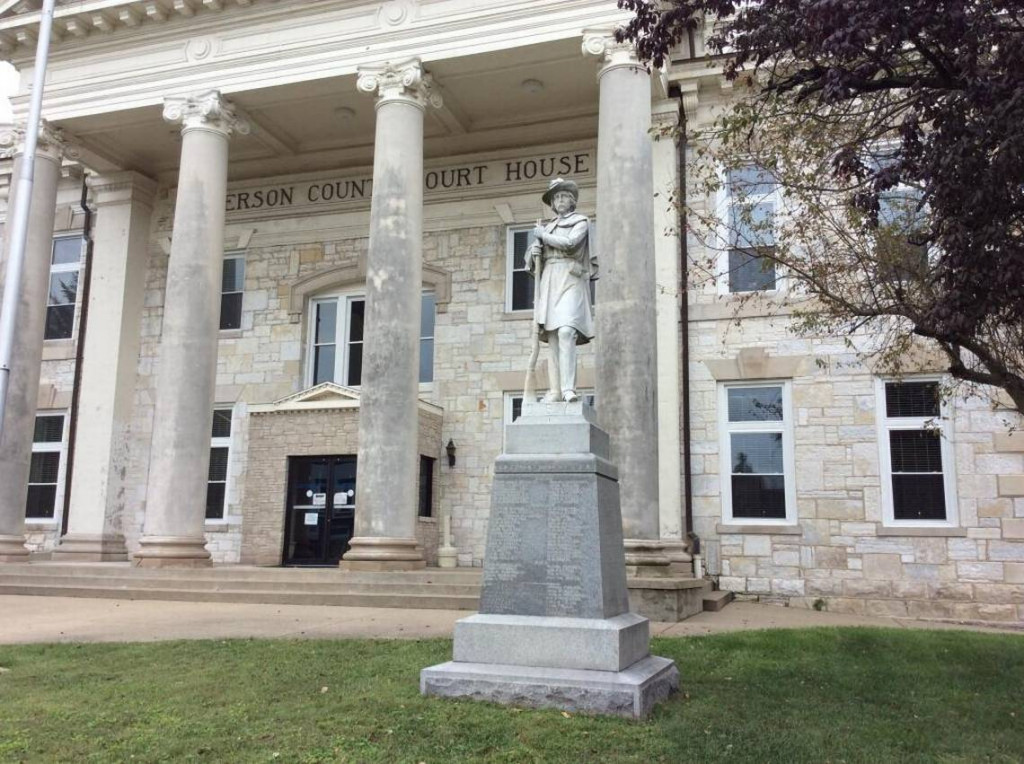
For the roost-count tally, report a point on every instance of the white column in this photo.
(179, 461)
(23, 391)
(385, 533)
(123, 203)
(667, 273)
(627, 385)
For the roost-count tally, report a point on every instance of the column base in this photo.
(679, 559)
(172, 552)
(646, 558)
(88, 547)
(13, 549)
(383, 553)
(447, 557)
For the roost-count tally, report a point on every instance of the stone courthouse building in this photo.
(276, 312)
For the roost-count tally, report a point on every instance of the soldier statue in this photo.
(560, 261)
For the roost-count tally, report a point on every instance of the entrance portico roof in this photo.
(544, 93)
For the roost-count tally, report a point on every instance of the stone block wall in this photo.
(839, 555)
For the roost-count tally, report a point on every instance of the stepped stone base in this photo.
(669, 599)
(13, 549)
(554, 629)
(86, 548)
(631, 693)
(600, 644)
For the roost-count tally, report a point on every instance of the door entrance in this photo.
(320, 515)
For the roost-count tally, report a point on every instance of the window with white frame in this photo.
(220, 455)
(756, 453)
(65, 262)
(916, 454)
(231, 291)
(749, 220)
(46, 471)
(336, 339)
(519, 284)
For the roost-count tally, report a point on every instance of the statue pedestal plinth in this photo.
(554, 628)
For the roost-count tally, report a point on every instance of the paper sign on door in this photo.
(312, 518)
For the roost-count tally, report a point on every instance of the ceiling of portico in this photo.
(327, 124)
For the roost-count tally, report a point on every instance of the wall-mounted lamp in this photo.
(450, 450)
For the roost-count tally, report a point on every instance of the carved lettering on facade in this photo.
(497, 174)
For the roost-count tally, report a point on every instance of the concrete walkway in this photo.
(72, 619)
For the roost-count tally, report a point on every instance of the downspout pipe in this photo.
(22, 209)
(76, 388)
(693, 541)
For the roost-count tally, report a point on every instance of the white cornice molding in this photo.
(277, 43)
(82, 18)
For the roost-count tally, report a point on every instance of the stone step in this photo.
(469, 577)
(338, 599)
(223, 583)
(715, 601)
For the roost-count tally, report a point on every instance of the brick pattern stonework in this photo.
(273, 437)
(840, 556)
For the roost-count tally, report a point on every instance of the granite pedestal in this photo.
(554, 628)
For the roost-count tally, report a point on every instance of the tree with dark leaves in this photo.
(939, 85)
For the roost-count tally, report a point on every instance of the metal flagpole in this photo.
(22, 205)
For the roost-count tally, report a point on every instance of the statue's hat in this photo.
(558, 184)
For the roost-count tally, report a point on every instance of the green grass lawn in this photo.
(818, 695)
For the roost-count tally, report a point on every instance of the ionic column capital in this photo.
(404, 81)
(602, 44)
(208, 111)
(51, 143)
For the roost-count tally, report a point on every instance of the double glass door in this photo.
(320, 517)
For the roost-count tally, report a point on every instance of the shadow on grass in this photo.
(813, 695)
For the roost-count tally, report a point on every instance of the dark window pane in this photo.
(520, 243)
(915, 451)
(755, 404)
(44, 467)
(233, 278)
(60, 319)
(355, 365)
(427, 311)
(63, 287)
(219, 463)
(517, 407)
(215, 501)
(231, 311)
(918, 497)
(326, 322)
(903, 399)
(41, 501)
(522, 290)
(323, 364)
(49, 429)
(426, 508)
(749, 272)
(222, 423)
(67, 251)
(426, 360)
(355, 324)
(757, 453)
(759, 496)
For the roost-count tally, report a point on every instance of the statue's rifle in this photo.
(530, 385)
